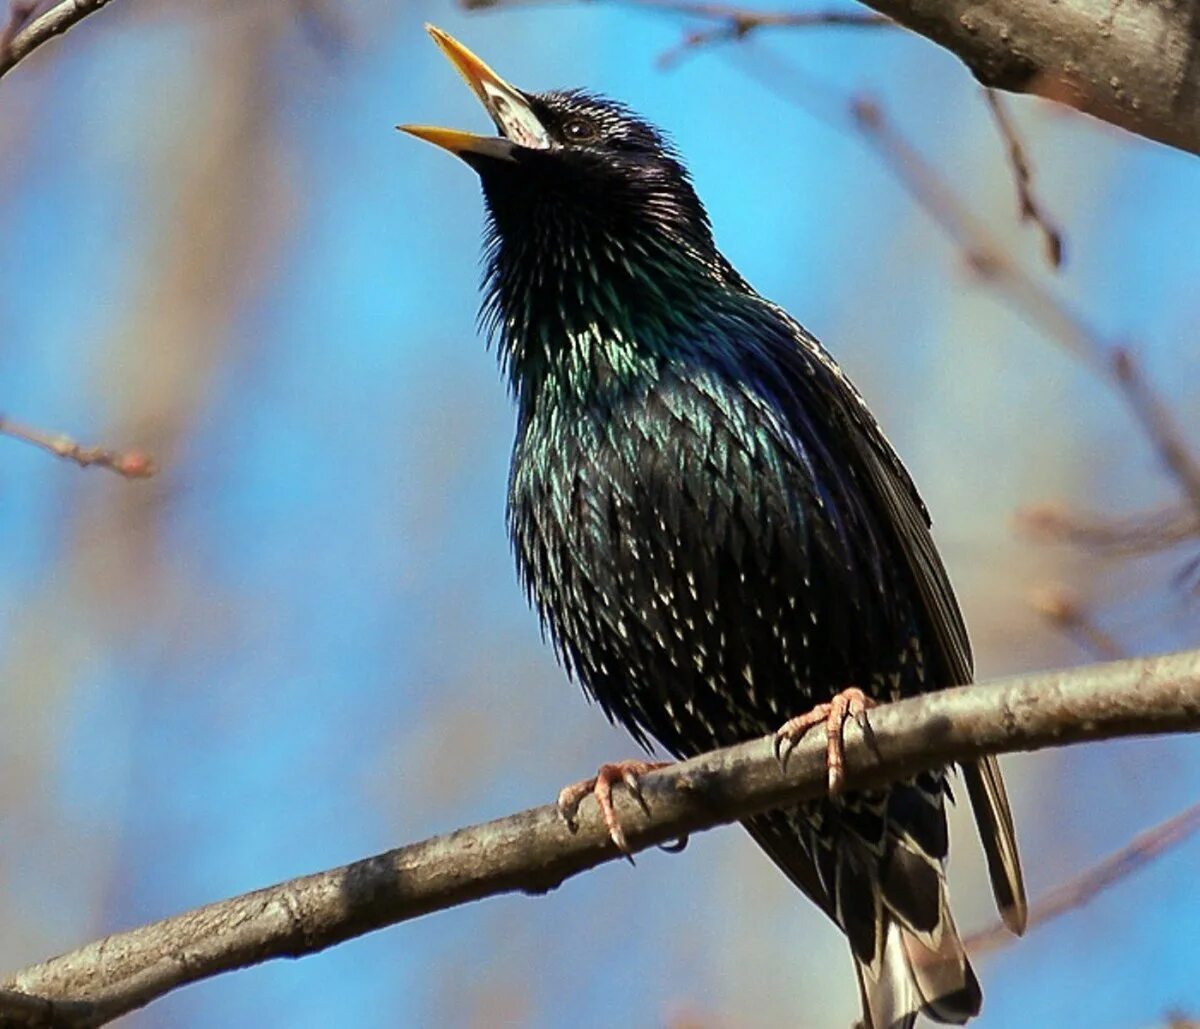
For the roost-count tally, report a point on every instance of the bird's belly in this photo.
(686, 620)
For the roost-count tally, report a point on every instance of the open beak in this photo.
(508, 106)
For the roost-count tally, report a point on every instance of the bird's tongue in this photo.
(515, 120)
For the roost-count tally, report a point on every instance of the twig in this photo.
(1065, 612)
(132, 464)
(1113, 362)
(534, 851)
(1081, 889)
(1027, 206)
(1136, 534)
(1132, 65)
(1157, 421)
(45, 27)
(736, 24)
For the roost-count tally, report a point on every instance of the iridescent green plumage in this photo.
(712, 527)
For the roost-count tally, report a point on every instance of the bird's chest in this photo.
(670, 545)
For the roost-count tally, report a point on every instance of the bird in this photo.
(718, 539)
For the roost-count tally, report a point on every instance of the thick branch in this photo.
(45, 27)
(1134, 64)
(533, 851)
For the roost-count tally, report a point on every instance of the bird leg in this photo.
(628, 772)
(849, 703)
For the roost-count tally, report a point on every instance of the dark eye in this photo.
(579, 130)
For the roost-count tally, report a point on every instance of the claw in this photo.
(849, 703)
(792, 732)
(627, 772)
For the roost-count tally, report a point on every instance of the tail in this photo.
(875, 864)
(918, 973)
(989, 801)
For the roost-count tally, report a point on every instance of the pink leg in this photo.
(850, 702)
(600, 787)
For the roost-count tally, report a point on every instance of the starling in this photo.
(712, 527)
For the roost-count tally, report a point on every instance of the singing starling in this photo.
(712, 527)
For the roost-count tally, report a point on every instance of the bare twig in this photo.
(1136, 534)
(1081, 889)
(1132, 65)
(132, 464)
(1157, 421)
(735, 24)
(1027, 206)
(534, 851)
(53, 22)
(1068, 614)
(1114, 362)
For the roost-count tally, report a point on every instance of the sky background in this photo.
(303, 642)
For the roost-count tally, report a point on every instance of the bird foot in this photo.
(628, 772)
(849, 703)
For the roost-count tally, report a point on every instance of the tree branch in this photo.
(1083, 888)
(131, 464)
(1144, 533)
(734, 23)
(1136, 65)
(534, 851)
(20, 43)
(1028, 207)
(1113, 361)
(1064, 611)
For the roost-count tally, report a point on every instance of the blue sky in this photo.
(304, 642)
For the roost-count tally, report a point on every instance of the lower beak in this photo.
(462, 144)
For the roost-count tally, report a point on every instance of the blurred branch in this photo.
(1133, 65)
(132, 464)
(1136, 534)
(22, 37)
(534, 851)
(734, 23)
(1064, 611)
(1078, 891)
(1115, 363)
(1027, 206)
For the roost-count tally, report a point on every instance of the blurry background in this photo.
(303, 641)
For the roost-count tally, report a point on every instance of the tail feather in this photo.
(918, 974)
(985, 787)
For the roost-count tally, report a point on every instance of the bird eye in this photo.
(579, 130)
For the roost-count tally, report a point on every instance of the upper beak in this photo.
(507, 105)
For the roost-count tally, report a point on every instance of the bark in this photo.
(1134, 63)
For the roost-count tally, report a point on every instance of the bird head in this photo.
(571, 164)
(600, 259)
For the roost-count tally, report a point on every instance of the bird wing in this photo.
(900, 506)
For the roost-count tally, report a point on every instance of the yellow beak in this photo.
(508, 106)
(474, 71)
